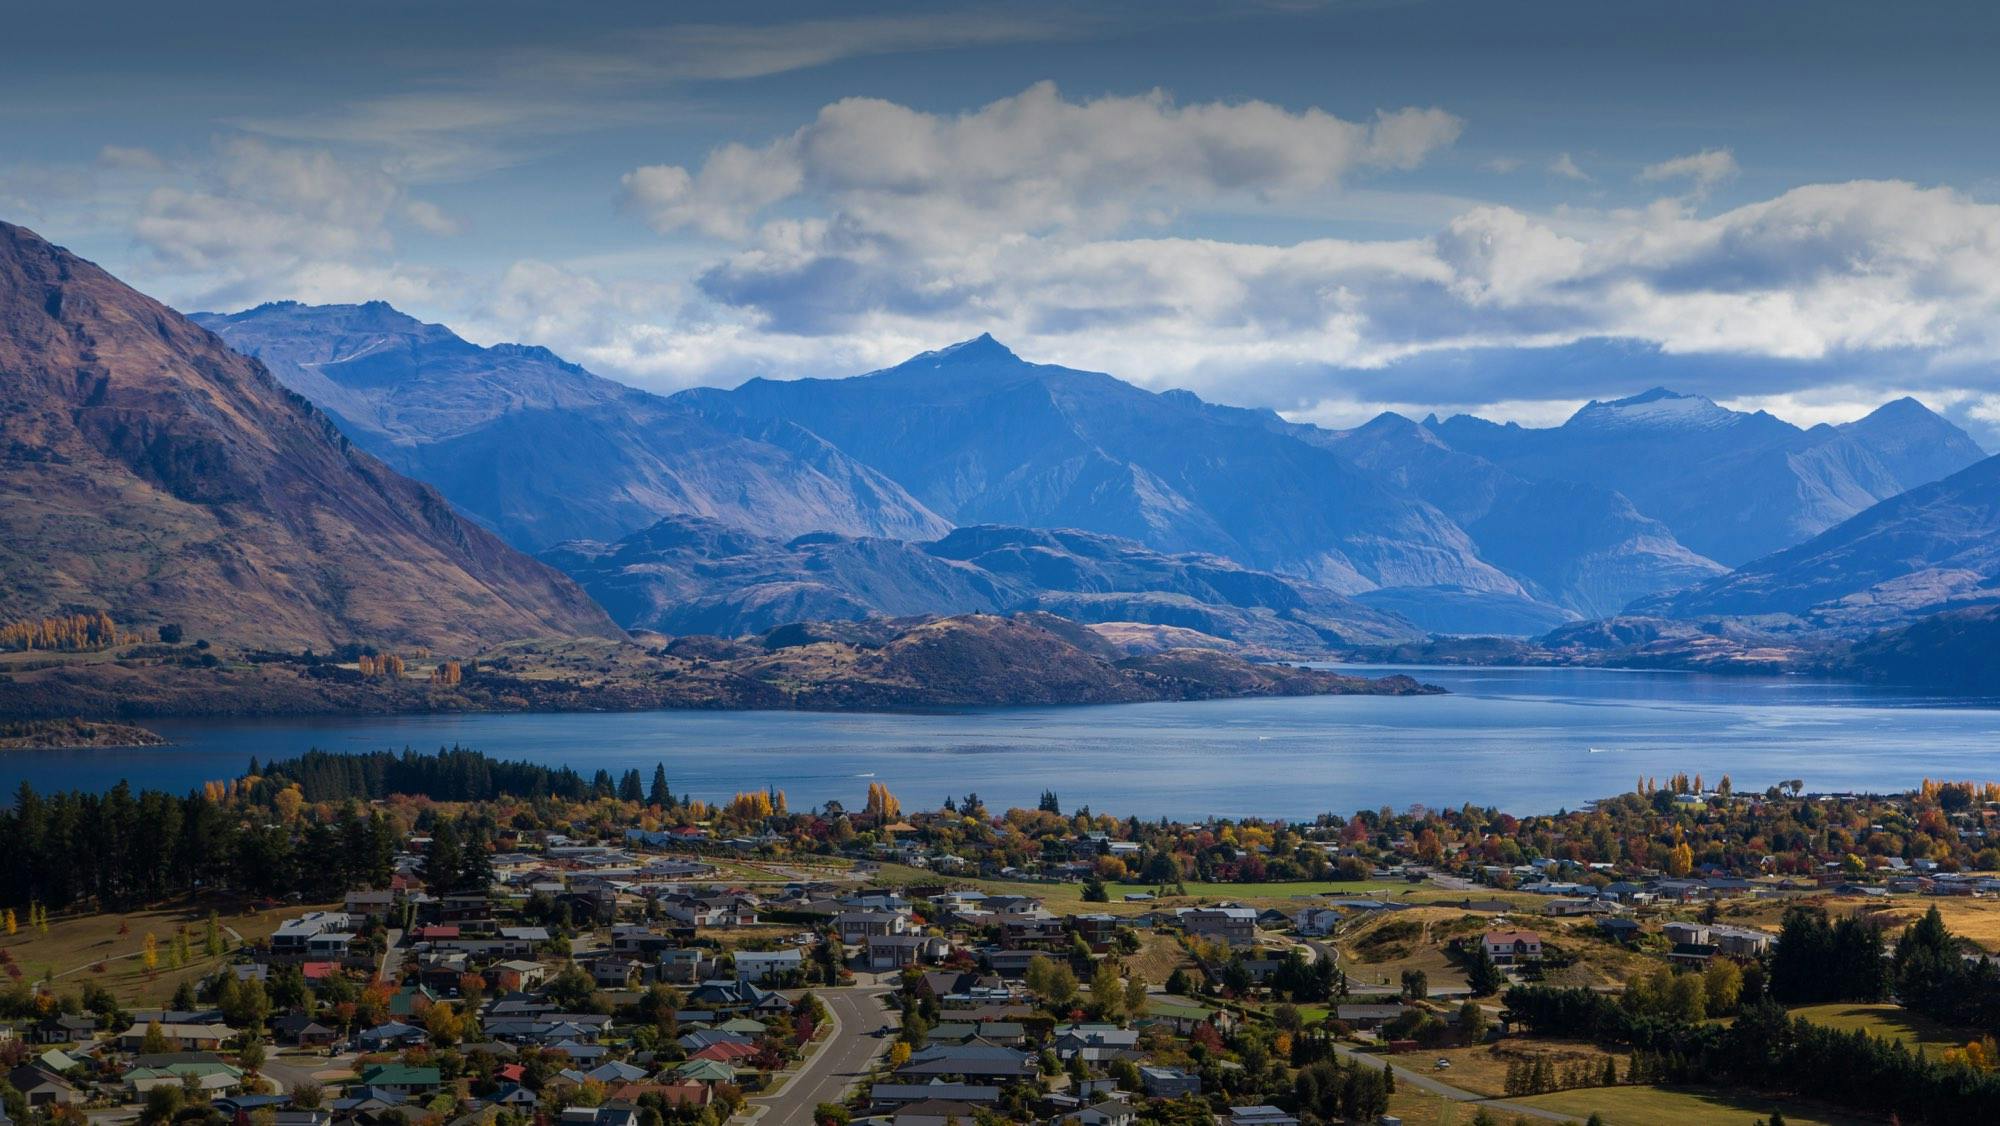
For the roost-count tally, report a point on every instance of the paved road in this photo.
(390, 963)
(844, 1058)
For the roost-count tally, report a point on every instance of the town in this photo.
(607, 953)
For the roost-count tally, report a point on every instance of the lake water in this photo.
(1526, 740)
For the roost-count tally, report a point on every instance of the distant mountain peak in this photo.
(980, 348)
(1657, 408)
(1651, 395)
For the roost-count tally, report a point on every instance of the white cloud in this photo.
(131, 158)
(1703, 169)
(255, 220)
(1565, 166)
(1032, 163)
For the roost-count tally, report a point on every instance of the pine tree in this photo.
(660, 795)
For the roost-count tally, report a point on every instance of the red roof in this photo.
(436, 931)
(319, 971)
(726, 1053)
(512, 1072)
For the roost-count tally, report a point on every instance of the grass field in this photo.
(1974, 919)
(1483, 1069)
(1662, 1106)
(76, 943)
(1891, 1022)
(1062, 897)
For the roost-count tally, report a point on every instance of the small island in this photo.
(61, 734)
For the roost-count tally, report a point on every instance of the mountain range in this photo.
(541, 450)
(1932, 549)
(1731, 485)
(689, 575)
(148, 470)
(1455, 526)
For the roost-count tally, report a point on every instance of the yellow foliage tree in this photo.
(12, 926)
(1680, 860)
(149, 955)
(754, 805)
(289, 801)
(881, 803)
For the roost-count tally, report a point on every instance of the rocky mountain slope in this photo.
(1934, 548)
(1573, 544)
(541, 450)
(148, 470)
(981, 436)
(1731, 485)
(1460, 526)
(696, 575)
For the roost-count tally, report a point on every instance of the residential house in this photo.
(934, 1112)
(1316, 922)
(517, 974)
(63, 1028)
(1680, 933)
(368, 904)
(391, 1036)
(859, 926)
(302, 1030)
(1236, 926)
(1739, 942)
(181, 1037)
(888, 1096)
(401, 1079)
(1368, 1015)
(763, 966)
(970, 1061)
(1169, 1082)
(1512, 947)
(895, 951)
(204, 1072)
(43, 1088)
(682, 965)
(616, 972)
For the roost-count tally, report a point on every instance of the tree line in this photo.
(122, 848)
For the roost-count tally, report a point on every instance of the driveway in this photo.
(845, 1057)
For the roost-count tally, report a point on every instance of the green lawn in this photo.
(1891, 1022)
(1661, 1106)
(1069, 896)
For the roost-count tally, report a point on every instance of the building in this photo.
(860, 926)
(1236, 926)
(181, 1037)
(42, 1088)
(762, 966)
(1169, 1082)
(1512, 947)
(316, 935)
(895, 951)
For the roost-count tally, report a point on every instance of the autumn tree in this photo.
(882, 804)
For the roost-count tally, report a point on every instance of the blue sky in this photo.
(1329, 209)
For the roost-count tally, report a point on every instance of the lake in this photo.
(1526, 740)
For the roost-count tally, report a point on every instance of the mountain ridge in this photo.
(543, 451)
(694, 575)
(149, 471)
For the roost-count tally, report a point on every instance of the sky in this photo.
(1329, 209)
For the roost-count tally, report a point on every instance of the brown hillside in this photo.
(147, 470)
